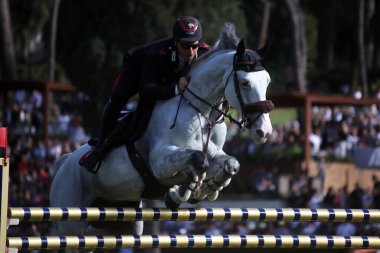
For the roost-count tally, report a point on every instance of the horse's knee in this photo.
(199, 160)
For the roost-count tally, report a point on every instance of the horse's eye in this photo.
(245, 84)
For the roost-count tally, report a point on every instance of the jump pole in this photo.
(192, 214)
(4, 182)
(195, 241)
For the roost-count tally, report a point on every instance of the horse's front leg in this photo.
(222, 168)
(169, 160)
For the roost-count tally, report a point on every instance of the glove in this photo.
(182, 84)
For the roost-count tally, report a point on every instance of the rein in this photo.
(210, 124)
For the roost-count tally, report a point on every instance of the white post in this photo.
(4, 177)
(4, 182)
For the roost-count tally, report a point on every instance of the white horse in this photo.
(187, 158)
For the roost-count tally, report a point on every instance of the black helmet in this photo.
(187, 28)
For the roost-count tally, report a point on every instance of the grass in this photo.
(282, 115)
(277, 116)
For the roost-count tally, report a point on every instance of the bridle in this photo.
(259, 107)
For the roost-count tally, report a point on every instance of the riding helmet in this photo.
(187, 28)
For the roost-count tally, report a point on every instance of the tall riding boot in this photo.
(91, 160)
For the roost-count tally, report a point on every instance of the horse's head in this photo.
(246, 91)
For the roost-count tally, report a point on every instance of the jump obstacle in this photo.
(192, 214)
(35, 214)
(194, 241)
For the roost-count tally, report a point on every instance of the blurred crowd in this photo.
(31, 158)
(336, 130)
(301, 195)
(337, 133)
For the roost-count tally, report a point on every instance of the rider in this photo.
(156, 71)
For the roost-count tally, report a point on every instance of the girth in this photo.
(153, 189)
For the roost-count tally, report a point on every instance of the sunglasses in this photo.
(188, 46)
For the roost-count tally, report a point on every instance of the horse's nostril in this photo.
(260, 133)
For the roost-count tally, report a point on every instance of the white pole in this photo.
(4, 174)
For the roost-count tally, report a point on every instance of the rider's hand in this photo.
(182, 84)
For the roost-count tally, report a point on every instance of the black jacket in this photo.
(155, 68)
(152, 70)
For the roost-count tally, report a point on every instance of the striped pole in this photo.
(193, 241)
(193, 214)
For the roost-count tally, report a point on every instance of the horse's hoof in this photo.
(231, 167)
(169, 202)
(213, 196)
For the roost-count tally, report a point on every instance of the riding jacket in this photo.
(151, 70)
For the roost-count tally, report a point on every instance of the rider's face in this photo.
(187, 50)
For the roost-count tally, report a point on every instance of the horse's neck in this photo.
(208, 80)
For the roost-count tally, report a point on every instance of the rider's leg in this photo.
(124, 88)
(107, 138)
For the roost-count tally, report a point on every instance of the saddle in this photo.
(126, 133)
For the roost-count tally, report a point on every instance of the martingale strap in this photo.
(210, 124)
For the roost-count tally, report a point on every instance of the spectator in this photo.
(355, 197)
(321, 171)
(315, 140)
(346, 229)
(328, 200)
(316, 199)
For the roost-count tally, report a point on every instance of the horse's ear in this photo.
(263, 51)
(240, 51)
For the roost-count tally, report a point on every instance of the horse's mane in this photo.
(228, 40)
(227, 37)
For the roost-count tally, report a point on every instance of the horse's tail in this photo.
(58, 164)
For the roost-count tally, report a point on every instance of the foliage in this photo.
(28, 19)
(94, 34)
(92, 52)
(38, 72)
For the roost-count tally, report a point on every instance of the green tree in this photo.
(92, 52)
(7, 54)
(29, 18)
